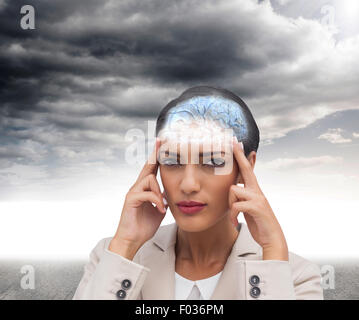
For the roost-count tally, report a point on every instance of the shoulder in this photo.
(162, 239)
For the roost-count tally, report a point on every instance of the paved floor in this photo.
(59, 279)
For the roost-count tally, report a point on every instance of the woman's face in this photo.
(194, 177)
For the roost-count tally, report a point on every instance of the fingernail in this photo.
(235, 139)
(241, 144)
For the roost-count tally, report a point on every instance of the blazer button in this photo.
(255, 292)
(126, 284)
(254, 280)
(121, 294)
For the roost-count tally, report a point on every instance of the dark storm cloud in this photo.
(164, 43)
(179, 42)
(48, 12)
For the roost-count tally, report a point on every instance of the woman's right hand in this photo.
(139, 218)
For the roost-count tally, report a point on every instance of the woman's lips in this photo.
(191, 209)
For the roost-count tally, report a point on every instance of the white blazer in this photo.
(151, 274)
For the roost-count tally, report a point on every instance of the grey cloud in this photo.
(300, 163)
(334, 135)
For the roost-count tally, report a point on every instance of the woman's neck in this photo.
(208, 247)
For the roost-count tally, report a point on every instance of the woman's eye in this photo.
(215, 163)
(169, 162)
(210, 163)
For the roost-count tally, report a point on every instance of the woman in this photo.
(206, 253)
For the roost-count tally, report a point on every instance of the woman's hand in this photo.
(140, 219)
(257, 212)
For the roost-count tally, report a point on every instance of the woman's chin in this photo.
(191, 225)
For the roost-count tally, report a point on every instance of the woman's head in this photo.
(196, 131)
(211, 103)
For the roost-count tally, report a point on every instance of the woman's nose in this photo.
(190, 181)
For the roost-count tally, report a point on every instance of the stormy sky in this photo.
(91, 71)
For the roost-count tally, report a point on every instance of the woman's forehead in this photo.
(195, 137)
(203, 148)
(195, 131)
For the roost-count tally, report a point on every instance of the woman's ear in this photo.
(252, 157)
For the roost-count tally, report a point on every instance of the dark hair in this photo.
(250, 141)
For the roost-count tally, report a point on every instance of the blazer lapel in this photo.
(160, 282)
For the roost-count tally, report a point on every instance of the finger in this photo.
(238, 193)
(237, 207)
(244, 166)
(138, 198)
(148, 183)
(151, 165)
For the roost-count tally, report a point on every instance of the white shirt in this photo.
(195, 290)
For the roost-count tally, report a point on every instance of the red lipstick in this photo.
(189, 207)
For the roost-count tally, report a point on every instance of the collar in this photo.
(166, 235)
(205, 286)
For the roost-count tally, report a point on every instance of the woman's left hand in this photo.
(261, 221)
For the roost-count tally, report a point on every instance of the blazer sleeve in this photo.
(273, 280)
(105, 272)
